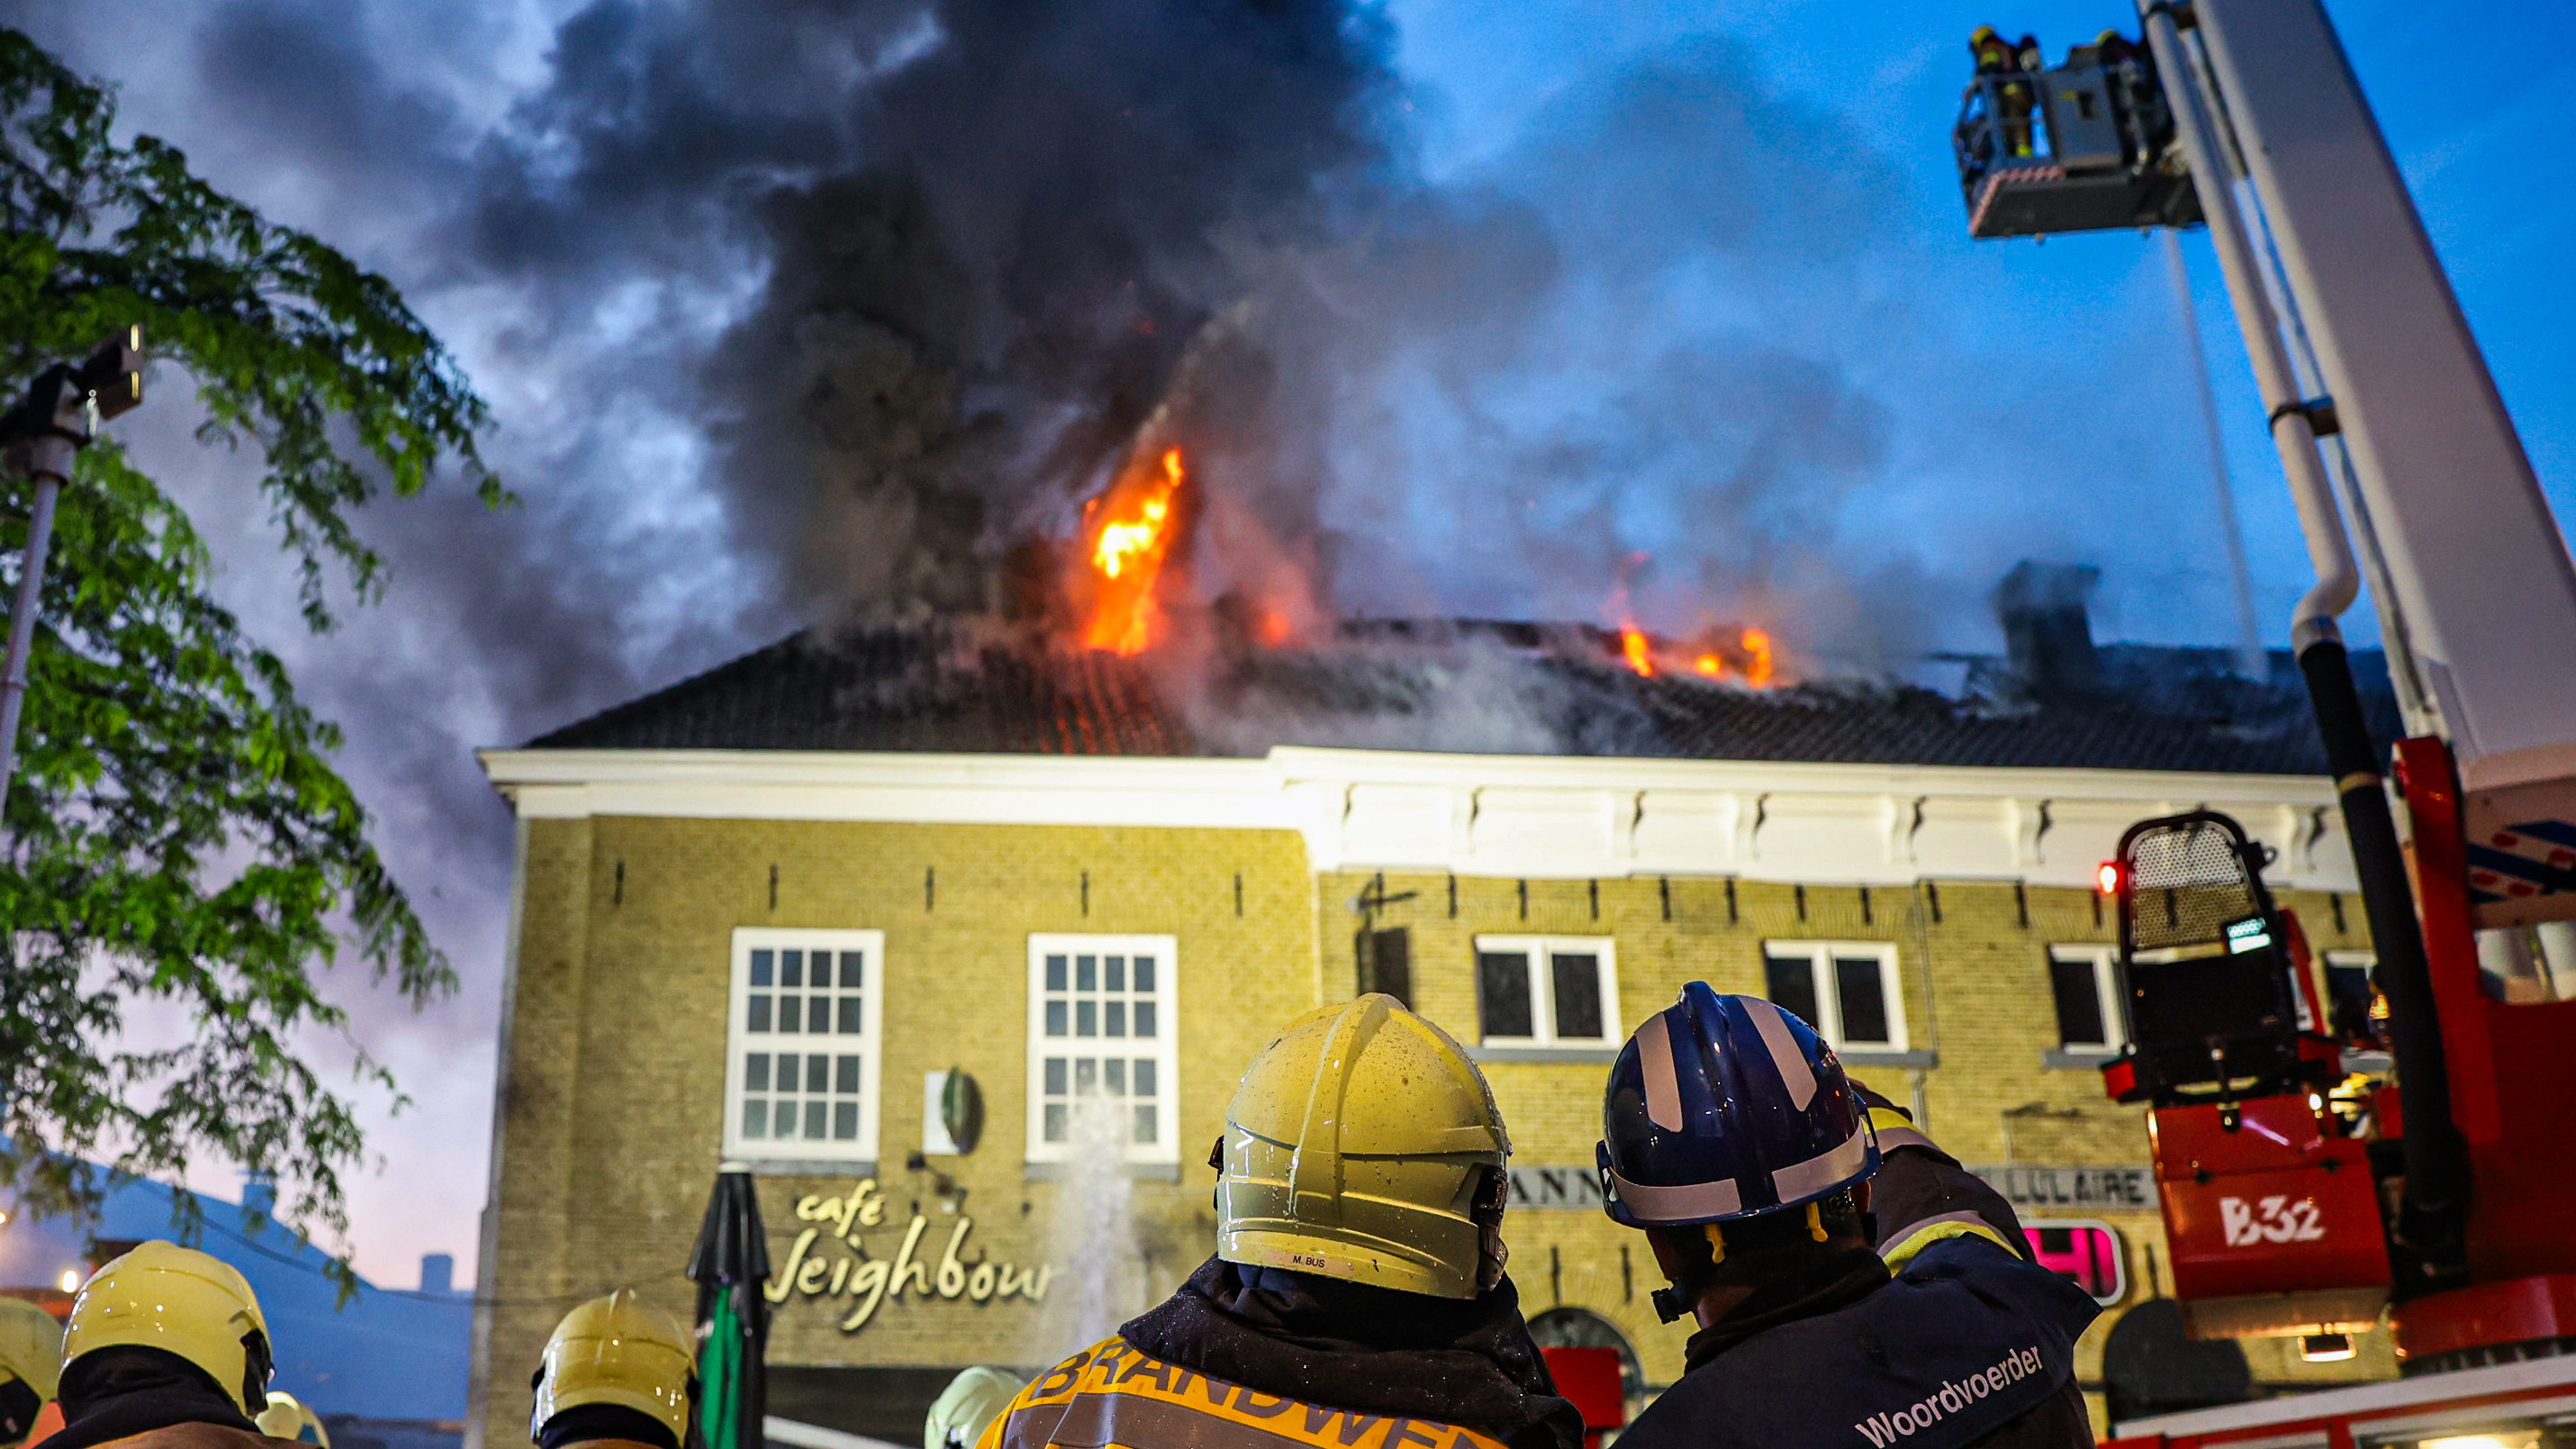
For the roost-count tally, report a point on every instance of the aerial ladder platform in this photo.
(2302, 1198)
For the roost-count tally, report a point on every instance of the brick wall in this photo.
(612, 1092)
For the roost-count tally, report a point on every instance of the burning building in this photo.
(960, 942)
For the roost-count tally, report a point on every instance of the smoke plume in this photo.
(802, 312)
(1050, 209)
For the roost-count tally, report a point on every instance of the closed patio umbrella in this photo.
(730, 1264)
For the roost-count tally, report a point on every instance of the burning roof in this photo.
(1569, 689)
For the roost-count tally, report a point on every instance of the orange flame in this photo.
(1757, 669)
(1633, 646)
(1127, 553)
(1710, 665)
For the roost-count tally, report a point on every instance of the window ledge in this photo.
(2060, 1060)
(1141, 1171)
(1865, 1057)
(803, 1166)
(1597, 1055)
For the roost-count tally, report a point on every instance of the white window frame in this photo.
(1164, 1050)
(2105, 961)
(1829, 997)
(1536, 950)
(740, 1041)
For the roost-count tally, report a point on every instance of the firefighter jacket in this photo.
(1264, 1358)
(1946, 1337)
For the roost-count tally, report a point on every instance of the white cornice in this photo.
(1491, 815)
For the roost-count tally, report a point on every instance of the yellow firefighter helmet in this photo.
(969, 1405)
(1363, 1144)
(176, 1299)
(287, 1418)
(31, 1358)
(617, 1350)
(31, 1346)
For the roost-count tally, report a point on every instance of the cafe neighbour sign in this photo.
(834, 1261)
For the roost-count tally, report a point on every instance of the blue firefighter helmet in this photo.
(1726, 1107)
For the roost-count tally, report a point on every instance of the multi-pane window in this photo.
(801, 1074)
(1846, 990)
(2085, 983)
(1547, 991)
(1102, 1061)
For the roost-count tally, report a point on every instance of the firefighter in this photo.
(31, 1358)
(617, 1372)
(1357, 1288)
(165, 1347)
(1994, 56)
(2012, 98)
(1853, 1285)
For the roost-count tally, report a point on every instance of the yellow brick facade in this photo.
(611, 1100)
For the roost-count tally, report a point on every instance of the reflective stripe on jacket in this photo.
(1111, 1394)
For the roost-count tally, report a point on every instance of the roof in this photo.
(1465, 686)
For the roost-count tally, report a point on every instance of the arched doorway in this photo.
(1583, 1328)
(2152, 1365)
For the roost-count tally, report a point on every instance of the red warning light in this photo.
(2108, 877)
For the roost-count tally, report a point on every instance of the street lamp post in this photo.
(39, 438)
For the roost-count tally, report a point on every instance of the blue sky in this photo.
(2489, 163)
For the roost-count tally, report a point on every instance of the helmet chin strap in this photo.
(1678, 1300)
(1687, 1286)
(1672, 1303)
(1491, 1252)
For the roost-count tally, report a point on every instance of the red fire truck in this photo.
(2300, 1197)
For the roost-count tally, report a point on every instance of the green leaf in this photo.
(176, 830)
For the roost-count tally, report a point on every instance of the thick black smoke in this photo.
(1048, 211)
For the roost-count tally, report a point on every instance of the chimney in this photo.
(259, 1194)
(2048, 638)
(437, 1273)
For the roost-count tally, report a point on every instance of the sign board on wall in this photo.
(1573, 1188)
(2052, 1189)
(836, 1262)
(2058, 1189)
